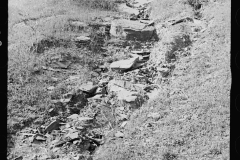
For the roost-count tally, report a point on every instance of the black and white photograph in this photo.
(119, 80)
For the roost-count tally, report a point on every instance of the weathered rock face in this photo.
(131, 30)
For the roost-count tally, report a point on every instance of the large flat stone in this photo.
(88, 87)
(124, 64)
(131, 30)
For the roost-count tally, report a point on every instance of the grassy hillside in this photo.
(194, 106)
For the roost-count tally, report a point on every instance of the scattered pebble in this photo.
(123, 124)
(119, 134)
(52, 126)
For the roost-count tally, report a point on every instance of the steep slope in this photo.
(194, 106)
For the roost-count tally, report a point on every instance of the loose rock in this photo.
(141, 52)
(72, 135)
(50, 88)
(160, 69)
(119, 134)
(147, 22)
(88, 87)
(123, 124)
(52, 126)
(124, 64)
(120, 108)
(82, 39)
(52, 112)
(19, 158)
(40, 138)
(131, 30)
(123, 117)
(65, 100)
(73, 116)
(84, 118)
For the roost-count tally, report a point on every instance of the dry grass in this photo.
(32, 22)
